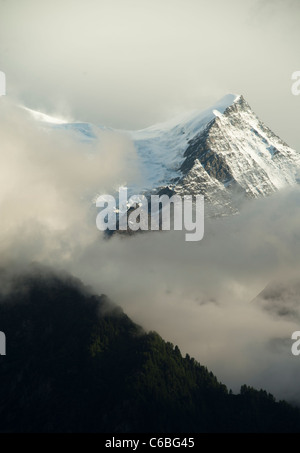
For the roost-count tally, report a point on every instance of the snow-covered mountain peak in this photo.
(220, 152)
(237, 154)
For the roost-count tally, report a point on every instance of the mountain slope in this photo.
(76, 363)
(237, 153)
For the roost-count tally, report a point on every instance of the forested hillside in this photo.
(77, 363)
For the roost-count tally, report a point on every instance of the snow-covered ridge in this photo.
(191, 120)
(39, 116)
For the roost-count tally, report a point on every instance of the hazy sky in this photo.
(128, 64)
(131, 63)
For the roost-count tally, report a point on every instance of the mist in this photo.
(199, 296)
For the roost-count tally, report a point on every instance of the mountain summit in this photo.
(225, 153)
(237, 153)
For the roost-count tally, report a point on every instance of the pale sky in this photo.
(132, 63)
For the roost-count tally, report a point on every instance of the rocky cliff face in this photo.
(236, 156)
